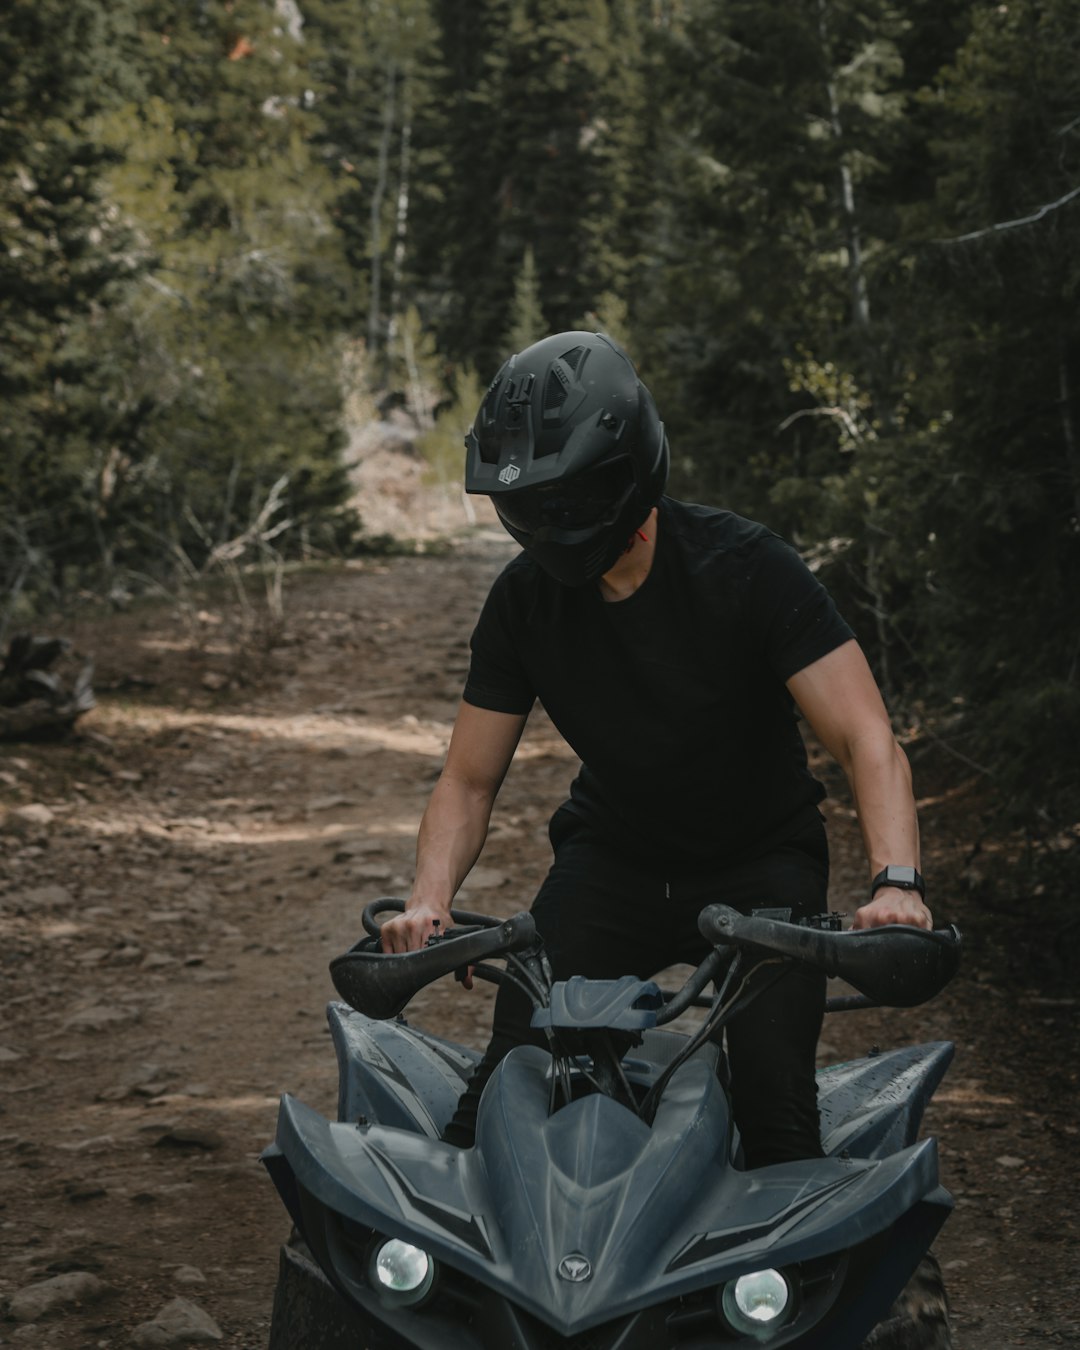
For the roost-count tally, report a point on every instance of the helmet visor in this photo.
(592, 498)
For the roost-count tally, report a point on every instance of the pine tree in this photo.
(999, 488)
(68, 266)
(527, 325)
(374, 69)
(543, 157)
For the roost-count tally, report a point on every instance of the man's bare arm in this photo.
(455, 823)
(839, 698)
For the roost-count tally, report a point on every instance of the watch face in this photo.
(901, 876)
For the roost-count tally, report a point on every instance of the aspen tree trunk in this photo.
(401, 215)
(860, 297)
(378, 196)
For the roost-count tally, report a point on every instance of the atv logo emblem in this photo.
(510, 474)
(575, 1268)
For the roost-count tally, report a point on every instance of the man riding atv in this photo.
(673, 646)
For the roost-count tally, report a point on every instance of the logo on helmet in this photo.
(510, 474)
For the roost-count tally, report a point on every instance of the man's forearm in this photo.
(880, 781)
(452, 833)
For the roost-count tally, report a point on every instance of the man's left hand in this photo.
(891, 905)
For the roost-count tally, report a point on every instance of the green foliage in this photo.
(68, 264)
(527, 319)
(546, 124)
(442, 446)
(176, 293)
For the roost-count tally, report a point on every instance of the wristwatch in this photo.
(903, 878)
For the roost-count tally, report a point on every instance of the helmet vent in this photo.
(554, 394)
(560, 383)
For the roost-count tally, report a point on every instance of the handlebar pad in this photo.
(379, 984)
(896, 965)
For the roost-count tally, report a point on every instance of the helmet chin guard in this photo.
(570, 448)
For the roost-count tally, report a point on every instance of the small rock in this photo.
(486, 878)
(100, 1143)
(354, 848)
(188, 1275)
(113, 1094)
(26, 820)
(97, 1018)
(328, 803)
(180, 1322)
(78, 1192)
(213, 679)
(181, 1136)
(62, 1291)
(46, 897)
(371, 872)
(92, 956)
(1006, 1160)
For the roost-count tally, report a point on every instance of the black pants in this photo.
(602, 916)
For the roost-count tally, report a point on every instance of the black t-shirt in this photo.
(674, 699)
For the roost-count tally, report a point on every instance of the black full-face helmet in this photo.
(571, 450)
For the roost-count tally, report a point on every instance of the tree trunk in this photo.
(401, 224)
(877, 608)
(378, 195)
(860, 296)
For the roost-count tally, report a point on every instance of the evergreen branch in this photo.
(1002, 225)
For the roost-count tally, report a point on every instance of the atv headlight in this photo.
(757, 1302)
(400, 1273)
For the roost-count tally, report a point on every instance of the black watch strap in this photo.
(903, 878)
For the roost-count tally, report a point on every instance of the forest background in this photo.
(839, 237)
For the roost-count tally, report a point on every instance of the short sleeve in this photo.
(497, 679)
(791, 614)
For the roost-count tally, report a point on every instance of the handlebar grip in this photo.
(462, 917)
(379, 984)
(896, 965)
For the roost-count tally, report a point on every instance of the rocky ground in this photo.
(174, 880)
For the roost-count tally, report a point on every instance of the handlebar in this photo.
(380, 984)
(896, 965)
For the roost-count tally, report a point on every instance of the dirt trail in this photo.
(164, 940)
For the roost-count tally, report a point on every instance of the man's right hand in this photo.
(409, 931)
